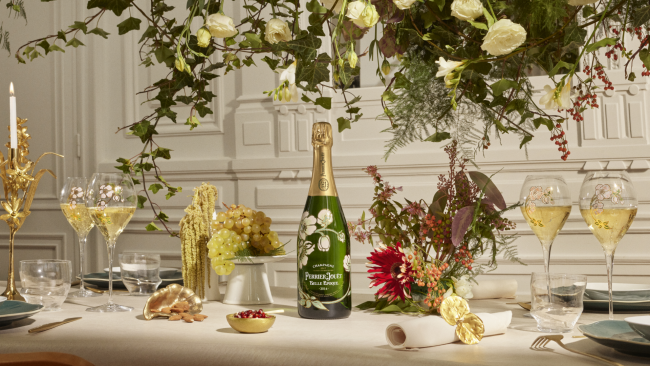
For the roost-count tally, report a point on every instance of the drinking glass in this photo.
(140, 272)
(111, 201)
(556, 300)
(45, 282)
(547, 204)
(608, 204)
(73, 205)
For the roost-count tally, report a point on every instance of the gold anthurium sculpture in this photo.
(19, 188)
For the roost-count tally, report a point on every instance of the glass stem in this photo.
(609, 258)
(111, 250)
(547, 256)
(82, 246)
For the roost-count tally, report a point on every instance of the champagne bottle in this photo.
(324, 290)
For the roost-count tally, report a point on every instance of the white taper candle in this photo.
(12, 117)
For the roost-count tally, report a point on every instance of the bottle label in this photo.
(323, 261)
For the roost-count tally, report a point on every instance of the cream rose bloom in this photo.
(503, 37)
(277, 31)
(466, 9)
(404, 4)
(203, 37)
(220, 26)
(330, 3)
(463, 287)
(445, 67)
(581, 2)
(363, 15)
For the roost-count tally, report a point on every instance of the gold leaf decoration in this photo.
(469, 327)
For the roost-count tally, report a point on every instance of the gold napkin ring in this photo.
(469, 327)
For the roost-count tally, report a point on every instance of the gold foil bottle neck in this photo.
(321, 134)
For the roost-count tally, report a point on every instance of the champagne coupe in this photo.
(111, 202)
(547, 204)
(608, 203)
(73, 205)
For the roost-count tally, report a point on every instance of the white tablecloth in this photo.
(127, 339)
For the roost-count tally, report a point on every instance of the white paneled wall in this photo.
(258, 153)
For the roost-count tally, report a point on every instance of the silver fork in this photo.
(541, 342)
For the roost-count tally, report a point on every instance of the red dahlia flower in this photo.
(390, 269)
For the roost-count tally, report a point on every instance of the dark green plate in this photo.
(618, 335)
(11, 311)
(630, 306)
(100, 279)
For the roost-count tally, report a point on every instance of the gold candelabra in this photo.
(19, 186)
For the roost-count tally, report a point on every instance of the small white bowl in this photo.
(640, 324)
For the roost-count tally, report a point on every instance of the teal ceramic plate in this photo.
(618, 335)
(101, 279)
(629, 306)
(11, 311)
(620, 292)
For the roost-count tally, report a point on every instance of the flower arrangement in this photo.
(427, 250)
(460, 61)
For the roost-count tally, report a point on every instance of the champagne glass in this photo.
(547, 205)
(111, 202)
(73, 205)
(608, 203)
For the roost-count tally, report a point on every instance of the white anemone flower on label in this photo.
(555, 98)
(289, 93)
(445, 67)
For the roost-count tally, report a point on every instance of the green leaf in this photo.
(253, 39)
(573, 33)
(155, 187)
(193, 122)
(318, 305)
(325, 102)
(525, 140)
(631, 77)
(314, 72)
(163, 54)
(306, 47)
(486, 185)
(149, 33)
(391, 309)
(45, 45)
(152, 227)
(478, 25)
(161, 152)
(401, 82)
(74, 43)
(543, 121)
(273, 64)
(588, 11)
(440, 3)
(128, 25)
(79, 25)
(366, 305)
(54, 47)
(61, 35)
(141, 201)
(641, 16)
(644, 55)
(602, 43)
(558, 66)
(116, 6)
(100, 32)
(202, 109)
(344, 124)
(488, 17)
(438, 136)
(502, 85)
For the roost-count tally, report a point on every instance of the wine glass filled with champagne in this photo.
(111, 202)
(73, 205)
(608, 203)
(547, 205)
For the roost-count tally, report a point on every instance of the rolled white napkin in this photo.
(431, 331)
(495, 289)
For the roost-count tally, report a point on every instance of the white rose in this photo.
(445, 67)
(277, 31)
(466, 9)
(463, 287)
(581, 2)
(503, 37)
(220, 26)
(362, 14)
(404, 4)
(329, 3)
(324, 243)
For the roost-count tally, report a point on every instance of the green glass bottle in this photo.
(324, 290)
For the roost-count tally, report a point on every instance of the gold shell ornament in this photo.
(167, 297)
(469, 327)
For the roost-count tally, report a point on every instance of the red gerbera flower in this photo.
(391, 270)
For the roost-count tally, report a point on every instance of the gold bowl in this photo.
(250, 325)
(168, 296)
